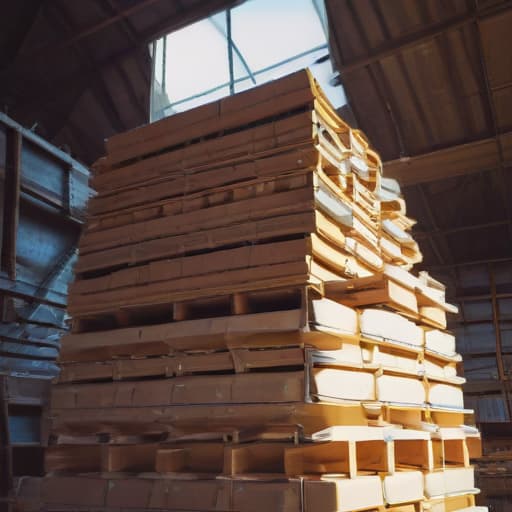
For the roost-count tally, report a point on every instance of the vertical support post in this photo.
(499, 352)
(164, 65)
(5, 448)
(352, 459)
(230, 52)
(66, 200)
(152, 82)
(11, 201)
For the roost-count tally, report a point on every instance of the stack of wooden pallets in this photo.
(247, 334)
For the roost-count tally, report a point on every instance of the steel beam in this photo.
(11, 202)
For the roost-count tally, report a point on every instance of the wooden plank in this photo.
(240, 360)
(255, 458)
(246, 359)
(6, 459)
(79, 459)
(173, 284)
(474, 447)
(220, 285)
(169, 190)
(260, 230)
(196, 457)
(194, 266)
(456, 452)
(236, 147)
(419, 454)
(185, 216)
(132, 458)
(294, 159)
(258, 103)
(178, 420)
(323, 324)
(433, 316)
(72, 492)
(121, 369)
(265, 277)
(203, 389)
(186, 335)
(373, 290)
(335, 457)
(332, 384)
(339, 457)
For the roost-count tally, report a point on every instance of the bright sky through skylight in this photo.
(271, 38)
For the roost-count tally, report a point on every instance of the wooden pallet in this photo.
(262, 141)
(239, 360)
(174, 422)
(351, 450)
(213, 208)
(209, 494)
(260, 103)
(318, 322)
(132, 207)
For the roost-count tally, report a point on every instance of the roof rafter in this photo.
(472, 157)
(409, 41)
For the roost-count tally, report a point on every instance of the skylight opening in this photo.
(237, 49)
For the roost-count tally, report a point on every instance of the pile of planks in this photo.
(247, 333)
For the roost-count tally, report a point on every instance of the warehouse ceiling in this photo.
(80, 71)
(430, 83)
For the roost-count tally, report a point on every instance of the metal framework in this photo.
(233, 52)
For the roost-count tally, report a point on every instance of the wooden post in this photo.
(499, 353)
(11, 201)
(5, 448)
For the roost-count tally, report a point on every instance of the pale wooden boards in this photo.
(245, 324)
(259, 103)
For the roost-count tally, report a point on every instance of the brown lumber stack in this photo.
(247, 334)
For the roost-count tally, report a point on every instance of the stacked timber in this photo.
(247, 332)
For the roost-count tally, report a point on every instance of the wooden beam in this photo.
(497, 331)
(114, 9)
(5, 444)
(469, 158)
(470, 263)
(11, 201)
(496, 322)
(91, 29)
(187, 16)
(419, 235)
